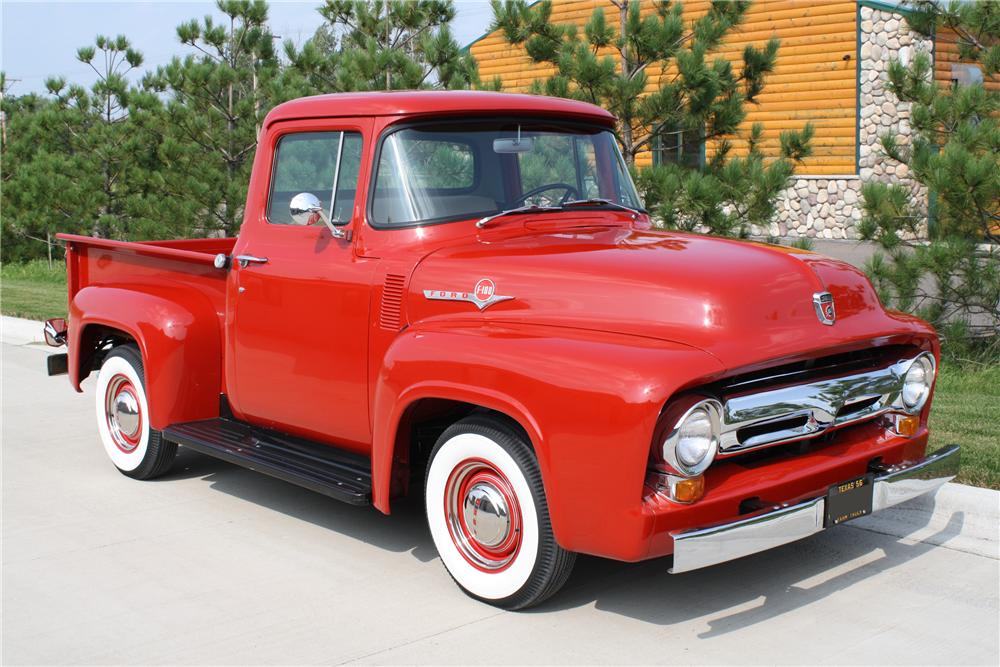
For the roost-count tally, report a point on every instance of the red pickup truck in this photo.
(459, 294)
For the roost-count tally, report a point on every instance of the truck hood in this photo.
(742, 302)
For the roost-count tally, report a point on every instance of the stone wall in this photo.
(825, 207)
(829, 206)
(885, 37)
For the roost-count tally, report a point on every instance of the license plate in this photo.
(849, 500)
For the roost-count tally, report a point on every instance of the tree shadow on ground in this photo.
(403, 530)
(772, 583)
(751, 589)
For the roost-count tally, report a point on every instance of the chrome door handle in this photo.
(247, 259)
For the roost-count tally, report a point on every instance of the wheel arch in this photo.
(179, 340)
(393, 454)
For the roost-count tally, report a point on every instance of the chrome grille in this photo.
(787, 414)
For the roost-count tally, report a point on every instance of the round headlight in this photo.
(691, 445)
(917, 383)
(695, 438)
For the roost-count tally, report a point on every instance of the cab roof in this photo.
(436, 102)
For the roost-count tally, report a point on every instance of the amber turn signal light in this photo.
(689, 489)
(905, 425)
(679, 489)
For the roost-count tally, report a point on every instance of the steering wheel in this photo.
(571, 192)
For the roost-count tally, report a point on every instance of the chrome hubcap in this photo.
(485, 514)
(123, 413)
(127, 413)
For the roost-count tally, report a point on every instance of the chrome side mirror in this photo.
(306, 208)
(55, 331)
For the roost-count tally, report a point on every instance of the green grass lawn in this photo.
(966, 402)
(33, 290)
(966, 411)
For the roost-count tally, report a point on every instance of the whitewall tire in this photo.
(488, 516)
(136, 449)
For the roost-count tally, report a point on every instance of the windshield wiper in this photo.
(597, 201)
(530, 208)
(535, 208)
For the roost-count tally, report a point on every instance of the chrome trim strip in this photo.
(695, 549)
(701, 547)
(814, 406)
(900, 484)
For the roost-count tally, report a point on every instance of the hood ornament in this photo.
(825, 311)
(483, 296)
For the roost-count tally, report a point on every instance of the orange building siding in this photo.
(815, 78)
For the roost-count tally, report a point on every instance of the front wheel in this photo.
(488, 515)
(136, 449)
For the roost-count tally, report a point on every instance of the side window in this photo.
(326, 164)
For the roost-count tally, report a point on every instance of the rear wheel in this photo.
(136, 449)
(488, 515)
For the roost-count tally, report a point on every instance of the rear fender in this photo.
(588, 401)
(178, 333)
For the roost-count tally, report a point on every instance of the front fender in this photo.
(587, 400)
(178, 333)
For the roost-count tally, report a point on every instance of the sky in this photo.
(40, 38)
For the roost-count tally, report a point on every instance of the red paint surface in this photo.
(609, 320)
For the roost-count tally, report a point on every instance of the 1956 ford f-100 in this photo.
(459, 294)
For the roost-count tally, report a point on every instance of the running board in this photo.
(341, 475)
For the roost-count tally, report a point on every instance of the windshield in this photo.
(437, 174)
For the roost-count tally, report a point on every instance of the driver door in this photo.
(299, 338)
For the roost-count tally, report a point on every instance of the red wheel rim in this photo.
(123, 413)
(483, 515)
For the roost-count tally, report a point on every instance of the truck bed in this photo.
(182, 263)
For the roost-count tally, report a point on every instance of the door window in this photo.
(325, 164)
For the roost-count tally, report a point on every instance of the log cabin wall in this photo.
(831, 71)
(814, 79)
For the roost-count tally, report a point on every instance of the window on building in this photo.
(964, 75)
(674, 146)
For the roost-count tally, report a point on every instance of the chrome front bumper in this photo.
(701, 547)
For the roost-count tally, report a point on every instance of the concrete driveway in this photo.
(215, 564)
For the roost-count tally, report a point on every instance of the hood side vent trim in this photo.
(390, 311)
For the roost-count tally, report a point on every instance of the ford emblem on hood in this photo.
(483, 296)
(825, 311)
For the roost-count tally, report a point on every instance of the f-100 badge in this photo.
(483, 296)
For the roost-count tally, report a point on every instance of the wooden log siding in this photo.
(811, 83)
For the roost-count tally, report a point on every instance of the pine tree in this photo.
(29, 215)
(207, 129)
(693, 100)
(946, 269)
(381, 45)
(73, 162)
